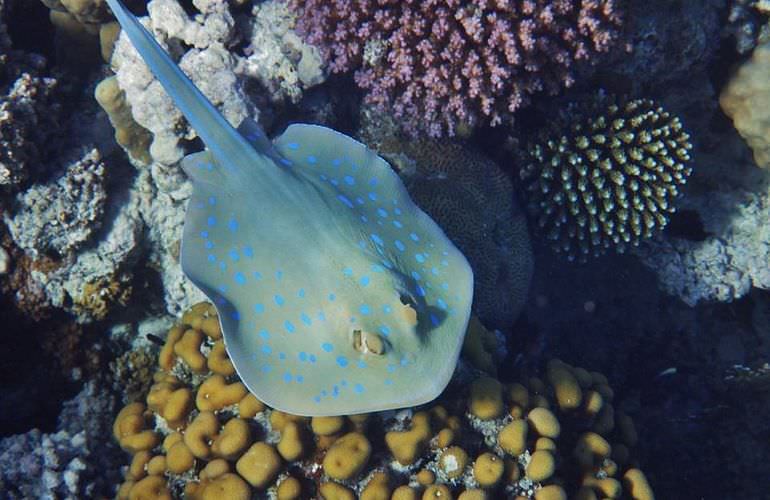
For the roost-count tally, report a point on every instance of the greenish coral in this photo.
(473, 201)
(604, 175)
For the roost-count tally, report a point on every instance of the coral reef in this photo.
(71, 462)
(272, 55)
(54, 222)
(605, 175)
(134, 139)
(745, 23)
(730, 260)
(59, 217)
(276, 56)
(201, 432)
(440, 64)
(668, 42)
(473, 201)
(208, 63)
(27, 116)
(746, 100)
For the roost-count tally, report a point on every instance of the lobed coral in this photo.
(605, 174)
(442, 63)
(201, 434)
(746, 99)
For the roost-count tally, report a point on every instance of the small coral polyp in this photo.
(605, 175)
(443, 63)
(202, 436)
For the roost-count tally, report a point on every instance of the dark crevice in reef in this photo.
(30, 28)
(34, 386)
(687, 225)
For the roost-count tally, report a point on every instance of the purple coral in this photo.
(438, 63)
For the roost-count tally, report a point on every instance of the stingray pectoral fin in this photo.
(406, 284)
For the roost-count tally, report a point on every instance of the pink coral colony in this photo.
(439, 63)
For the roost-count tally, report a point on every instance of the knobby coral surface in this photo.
(605, 175)
(201, 435)
(441, 63)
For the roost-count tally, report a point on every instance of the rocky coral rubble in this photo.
(201, 434)
(72, 462)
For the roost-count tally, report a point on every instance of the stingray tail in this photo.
(218, 135)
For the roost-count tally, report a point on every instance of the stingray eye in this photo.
(368, 343)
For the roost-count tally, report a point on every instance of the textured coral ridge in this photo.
(201, 435)
(440, 63)
(605, 175)
(746, 100)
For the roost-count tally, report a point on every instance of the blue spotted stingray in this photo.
(336, 294)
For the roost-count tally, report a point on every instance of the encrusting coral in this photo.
(746, 99)
(441, 63)
(201, 435)
(473, 201)
(605, 174)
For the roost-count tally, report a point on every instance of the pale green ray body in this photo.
(336, 294)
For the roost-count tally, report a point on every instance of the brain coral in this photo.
(473, 201)
(604, 174)
(201, 435)
(440, 63)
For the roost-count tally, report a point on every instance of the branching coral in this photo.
(605, 175)
(441, 63)
(201, 432)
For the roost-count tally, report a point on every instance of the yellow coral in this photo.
(233, 440)
(215, 393)
(289, 489)
(746, 99)
(488, 469)
(249, 406)
(291, 446)
(637, 485)
(513, 437)
(134, 138)
(544, 422)
(326, 426)
(377, 488)
(541, 466)
(218, 362)
(226, 486)
(179, 458)
(130, 429)
(150, 488)
(200, 432)
(479, 345)
(260, 465)
(407, 445)
(335, 491)
(213, 455)
(347, 456)
(565, 386)
(453, 461)
(486, 400)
